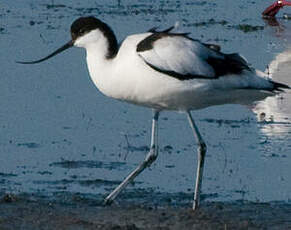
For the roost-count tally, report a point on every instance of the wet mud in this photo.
(20, 213)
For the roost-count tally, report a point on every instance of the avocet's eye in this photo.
(81, 31)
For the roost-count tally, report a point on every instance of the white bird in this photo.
(164, 70)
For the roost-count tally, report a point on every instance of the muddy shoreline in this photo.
(20, 213)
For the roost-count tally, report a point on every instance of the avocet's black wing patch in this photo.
(148, 42)
(184, 58)
(176, 74)
(230, 64)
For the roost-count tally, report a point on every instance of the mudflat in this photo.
(33, 214)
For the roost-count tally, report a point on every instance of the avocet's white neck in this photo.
(98, 50)
(100, 67)
(98, 60)
(97, 42)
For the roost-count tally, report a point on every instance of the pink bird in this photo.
(273, 9)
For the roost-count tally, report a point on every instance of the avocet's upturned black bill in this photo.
(78, 29)
(61, 49)
(164, 70)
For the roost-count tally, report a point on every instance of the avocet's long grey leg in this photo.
(200, 164)
(149, 159)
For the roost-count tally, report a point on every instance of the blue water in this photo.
(59, 135)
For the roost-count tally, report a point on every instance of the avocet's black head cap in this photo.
(84, 25)
(79, 28)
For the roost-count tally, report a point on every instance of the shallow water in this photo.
(60, 136)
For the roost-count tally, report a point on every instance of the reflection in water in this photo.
(276, 110)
